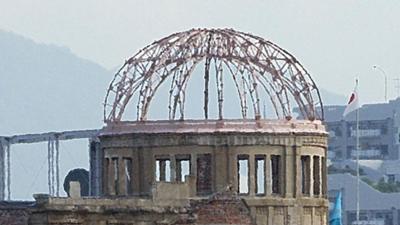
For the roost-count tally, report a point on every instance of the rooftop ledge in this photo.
(214, 126)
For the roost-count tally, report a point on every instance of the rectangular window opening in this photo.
(276, 173)
(128, 175)
(106, 173)
(305, 175)
(323, 170)
(243, 174)
(163, 170)
(317, 175)
(116, 175)
(260, 175)
(204, 174)
(182, 168)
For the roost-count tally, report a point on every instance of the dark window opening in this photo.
(106, 177)
(305, 175)
(116, 175)
(317, 175)
(204, 174)
(276, 173)
(128, 176)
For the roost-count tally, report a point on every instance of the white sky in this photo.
(336, 40)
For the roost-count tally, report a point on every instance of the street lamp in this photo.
(384, 74)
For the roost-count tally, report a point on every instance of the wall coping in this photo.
(214, 126)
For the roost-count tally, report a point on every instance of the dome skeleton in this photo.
(253, 63)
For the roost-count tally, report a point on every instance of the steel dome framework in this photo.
(255, 65)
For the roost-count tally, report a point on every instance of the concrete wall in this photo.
(219, 209)
(286, 205)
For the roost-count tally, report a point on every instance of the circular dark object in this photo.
(80, 175)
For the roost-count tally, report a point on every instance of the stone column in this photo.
(147, 170)
(320, 176)
(121, 177)
(221, 167)
(252, 180)
(193, 164)
(193, 173)
(311, 175)
(289, 178)
(106, 176)
(233, 168)
(111, 177)
(172, 165)
(268, 179)
(136, 175)
(298, 166)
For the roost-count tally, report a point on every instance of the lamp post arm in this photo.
(385, 76)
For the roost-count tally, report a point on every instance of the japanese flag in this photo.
(353, 103)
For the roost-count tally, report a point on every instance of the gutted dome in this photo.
(260, 72)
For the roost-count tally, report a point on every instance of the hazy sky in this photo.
(336, 40)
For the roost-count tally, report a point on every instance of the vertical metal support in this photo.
(57, 167)
(8, 171)
(206, 85)
(5, 170)
(48, 167)
(2, 170)
(50, 164)
(52, 168)
(53, 172)
(220, 86)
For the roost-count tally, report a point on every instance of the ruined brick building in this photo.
(213, 170)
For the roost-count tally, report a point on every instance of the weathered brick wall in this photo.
(14, 213)
(221, 209)
(223, 212)
(14, 216)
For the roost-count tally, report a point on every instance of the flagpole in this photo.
(357, 159)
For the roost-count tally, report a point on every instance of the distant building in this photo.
(378, 130)
(375, 207)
